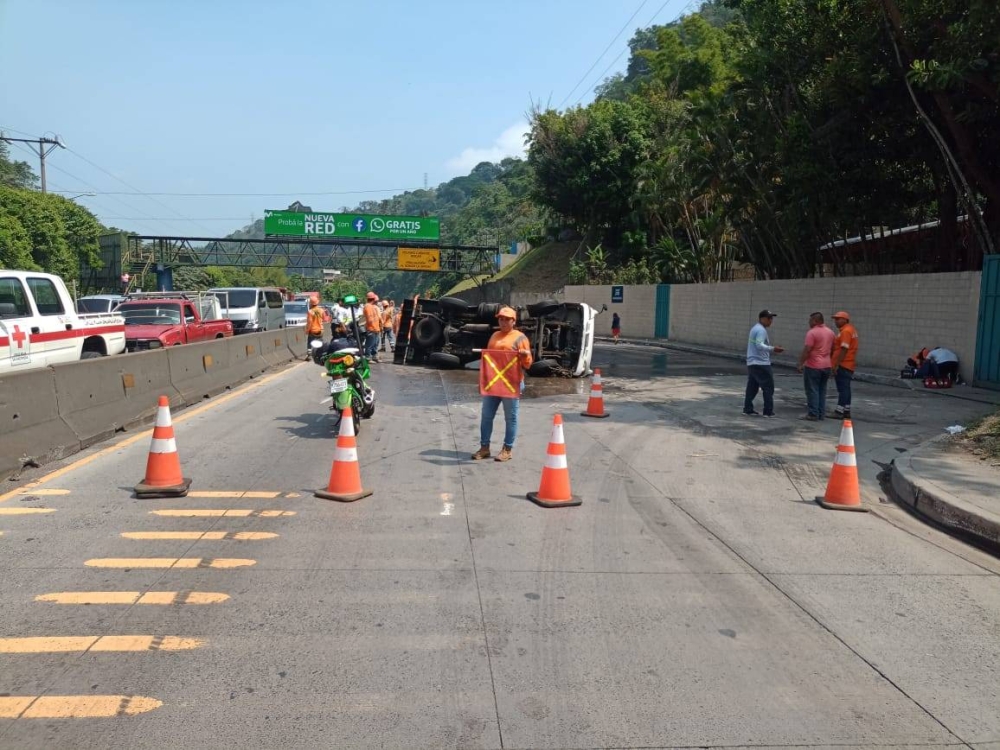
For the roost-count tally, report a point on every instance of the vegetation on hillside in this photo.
(758, 130)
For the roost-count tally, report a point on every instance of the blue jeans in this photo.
(816, 380)
(371, 344)
(843, 378)
(490, 406)
(759, 378)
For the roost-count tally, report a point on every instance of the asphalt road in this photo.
(698, 597)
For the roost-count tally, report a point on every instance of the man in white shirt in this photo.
(759, 374)
(941, 363)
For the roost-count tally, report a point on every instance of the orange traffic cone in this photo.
(843, 491)
(595, 406)
(163, 467)
(345, 476)
(554, 491)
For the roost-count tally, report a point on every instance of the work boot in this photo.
(482, 453)
(505, 455)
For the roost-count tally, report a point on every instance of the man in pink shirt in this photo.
(814, 364)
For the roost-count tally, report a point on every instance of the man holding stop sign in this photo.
(501, 380)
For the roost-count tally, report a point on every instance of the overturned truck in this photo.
(446, 333)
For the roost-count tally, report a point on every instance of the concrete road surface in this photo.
(698, 597)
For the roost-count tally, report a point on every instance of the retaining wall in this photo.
(50, 413)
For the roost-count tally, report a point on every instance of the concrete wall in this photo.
(894, 315)
(637, 311)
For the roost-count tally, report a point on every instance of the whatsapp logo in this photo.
(378, 225)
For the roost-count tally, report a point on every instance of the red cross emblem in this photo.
(19, 336)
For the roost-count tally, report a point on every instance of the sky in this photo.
(327, 102)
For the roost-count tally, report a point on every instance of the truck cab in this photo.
(155, 320)
(39, 325)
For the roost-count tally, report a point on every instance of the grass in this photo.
(541, 269)
(983, 437)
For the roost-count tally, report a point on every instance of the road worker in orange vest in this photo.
(373, 326)
(314, 324)
(506, 339)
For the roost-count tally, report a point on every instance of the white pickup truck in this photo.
(39, 325)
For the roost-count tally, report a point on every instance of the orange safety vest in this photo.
(315, 324)
(373, 318)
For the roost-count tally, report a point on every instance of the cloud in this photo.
(509, 143)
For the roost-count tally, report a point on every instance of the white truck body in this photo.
(39, 325)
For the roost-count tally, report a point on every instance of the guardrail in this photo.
(48, 414)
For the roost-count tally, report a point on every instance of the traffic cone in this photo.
(163, 467)
(595, 406)
(345, 476)
(843, 491)
(554, 491)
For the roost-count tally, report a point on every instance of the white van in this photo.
(252, 309)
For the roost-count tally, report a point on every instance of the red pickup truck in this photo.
(156, 322)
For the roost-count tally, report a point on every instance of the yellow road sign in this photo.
(418, 259)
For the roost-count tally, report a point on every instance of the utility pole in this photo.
(42, 146)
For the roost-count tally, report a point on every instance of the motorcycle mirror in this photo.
(316, 344)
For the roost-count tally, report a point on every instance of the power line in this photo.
(649, 23)
(299, 194)
(599, 57)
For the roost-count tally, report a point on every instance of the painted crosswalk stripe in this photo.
(134, 597)
(169, 562)
(74, 706)
(57, 644)
(24, 511)
(234, 494)
(227, 513)
(207, 536)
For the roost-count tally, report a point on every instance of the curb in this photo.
(945, 509)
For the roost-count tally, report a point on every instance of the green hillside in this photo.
(542, 269)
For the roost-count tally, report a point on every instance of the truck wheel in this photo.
(91, 355)
(444, 361)
(428, 332)
(487, 310)
(543, 308)
(453, 305)
(542, 368)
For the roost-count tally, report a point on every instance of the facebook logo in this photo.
(359, 225)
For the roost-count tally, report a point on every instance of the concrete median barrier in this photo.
(200, 371)
(99, 397)
(31, 428)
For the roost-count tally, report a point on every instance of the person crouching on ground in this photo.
(814, 364)
(507, 338)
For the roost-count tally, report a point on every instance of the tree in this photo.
(17, 174)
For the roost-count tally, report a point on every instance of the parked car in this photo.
(446, 333)
(158, 319)
(39, 325)
(252, 309)
(295, 314)
(99, 303)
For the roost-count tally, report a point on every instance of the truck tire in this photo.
(444, 361)
(542, 368)
(91, 355)
(487, 310)
(453, 305)
(428, 332)
(543, 308)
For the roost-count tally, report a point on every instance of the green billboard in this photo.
(353, 226)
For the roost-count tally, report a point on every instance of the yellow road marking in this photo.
(75, 706)
(24, 511)
(50, 645)
(133, 597)
(229, 512)
(45, 493)
(234, 493)
(208, 536)
(169, 562)
(183, 417)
